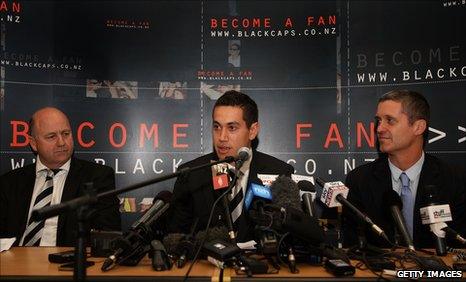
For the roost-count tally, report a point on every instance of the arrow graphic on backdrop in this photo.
(441, 135)
(461, 140)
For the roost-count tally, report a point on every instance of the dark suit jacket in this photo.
(16, 189)
(369, 182)
(194, 195)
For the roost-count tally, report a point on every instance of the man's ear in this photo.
(254, 130)
(420, 126)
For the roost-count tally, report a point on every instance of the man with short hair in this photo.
(55, 177)
(402, 122)
(234, 125)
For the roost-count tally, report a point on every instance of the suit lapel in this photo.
(254, 168)
(70, 191)
(71, 188)
(27, 186)
(383, 176)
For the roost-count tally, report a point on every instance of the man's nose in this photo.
(224, 134)
(380, 126)
(60, 140)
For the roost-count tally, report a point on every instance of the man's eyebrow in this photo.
(229, 123)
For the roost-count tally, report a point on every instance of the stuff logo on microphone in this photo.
(441, 214)
(436, 213)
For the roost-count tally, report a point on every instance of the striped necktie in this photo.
(236, 200)
(408, 202)
(34, 229)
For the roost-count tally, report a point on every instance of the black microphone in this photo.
(308, 191)
(181, 245)
(287, 215)
(160, 204)
(285, 193)
(140, 234)
(174, 242)
(244, 153)
(393, 200)
(436, 215)
(334, 194)
(451, 233)
(160, 260)
(171, 241)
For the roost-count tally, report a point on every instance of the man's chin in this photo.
(223, 153)
(384, 149)
(221, 157)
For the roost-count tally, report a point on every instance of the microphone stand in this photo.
(231, 231)
(226, 205)
(82, 204)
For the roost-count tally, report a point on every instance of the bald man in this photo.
(55, 177)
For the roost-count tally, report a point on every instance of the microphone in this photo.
(160, 260)
(257, 193)
(244, 153)
(287, 215)
(436, 215)
(453, 234)
(285, 193)
(393, 200)
(140, 234)
(160, 204)
(334, 194)
(308, 194)
(182, 245)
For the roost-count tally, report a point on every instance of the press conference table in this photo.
(31, 264)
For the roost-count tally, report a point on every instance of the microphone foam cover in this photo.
(172, 240)
(285, 193)
(307, 186)
(218, 232)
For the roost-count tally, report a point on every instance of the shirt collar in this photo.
(412, 172)
(41, 167)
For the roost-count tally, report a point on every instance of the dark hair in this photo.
(237, 99)
(414, 105)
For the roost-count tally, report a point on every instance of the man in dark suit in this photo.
(235, 125)
(55, 177)
(402, 122)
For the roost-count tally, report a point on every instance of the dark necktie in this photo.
(236, 200)
(34, 229)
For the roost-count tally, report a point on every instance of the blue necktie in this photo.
(408, 202)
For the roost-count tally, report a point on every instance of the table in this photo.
(31, 264)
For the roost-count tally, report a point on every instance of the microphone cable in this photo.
(209, 221)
